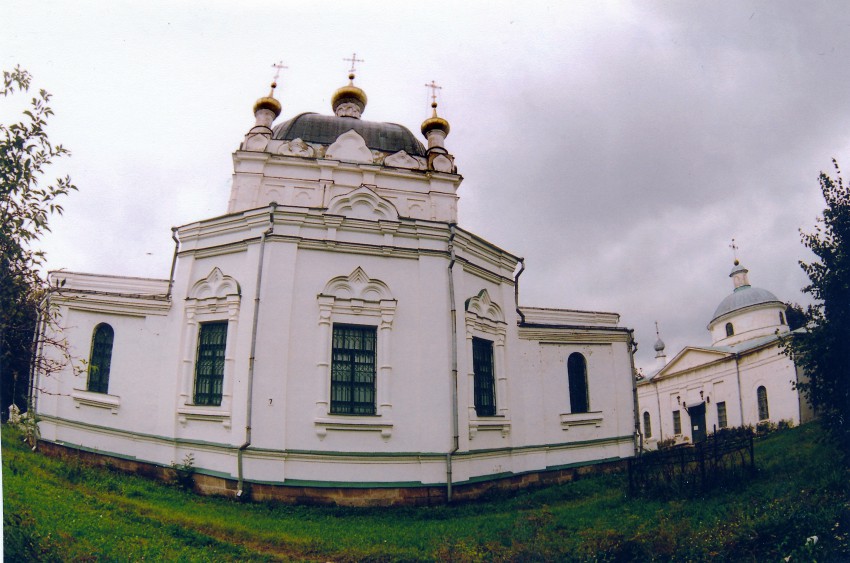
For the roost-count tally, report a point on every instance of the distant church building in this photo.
(336, 337)
(743, 378)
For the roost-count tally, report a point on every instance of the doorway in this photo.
(697, 415)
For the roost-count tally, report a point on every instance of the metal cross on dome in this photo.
(278, 66)
(433, 86)
(734, 248)
(353, 60)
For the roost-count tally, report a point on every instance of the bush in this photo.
(185, 472)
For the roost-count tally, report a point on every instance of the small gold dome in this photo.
(434, 122)
(351, 93)
(269, 103)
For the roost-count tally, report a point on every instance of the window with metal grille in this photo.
(677, 422)
(100, 359)
(485, 381)
(353, 369)
(721, 414)
(647, 425)
(577, 374)
(761, 393)
(209, 366)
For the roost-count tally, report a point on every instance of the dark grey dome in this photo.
(659, 345)
(743, 297)
(324, 130)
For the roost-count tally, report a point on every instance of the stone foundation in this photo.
(426, 495)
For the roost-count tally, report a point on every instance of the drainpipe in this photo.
(632, 349)
(249, 406)
(516, 290)
(740, 398)
(453, 317)
(660, 422)
(36, 351)
(173, 262)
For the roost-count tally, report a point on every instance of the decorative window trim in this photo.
(346, 422)
(484, 319)
(570, 419)
(216, 297)
(490, 423)
(95, 399)
(355, 299)
(211, 414)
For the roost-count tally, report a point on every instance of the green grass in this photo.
(64, 510)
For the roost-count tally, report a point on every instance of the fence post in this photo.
(752, 455)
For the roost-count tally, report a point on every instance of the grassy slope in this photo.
(64, 510)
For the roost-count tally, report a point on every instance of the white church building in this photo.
(744, 378)
(337, 337)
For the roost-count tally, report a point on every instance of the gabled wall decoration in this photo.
(403, 160)
(216, 284)
(363, 203)
(349, 147)
(482, 306)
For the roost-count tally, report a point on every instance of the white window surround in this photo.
(484, 319)
(99, 400)
(355, 299)
(592, 418)
(214, 298)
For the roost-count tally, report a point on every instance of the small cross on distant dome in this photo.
(734, 248)
(656, 330)
(433, 86)
(353, 60)
(278, 66)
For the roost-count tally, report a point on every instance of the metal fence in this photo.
(685, 470)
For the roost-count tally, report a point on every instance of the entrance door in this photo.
(697, 415)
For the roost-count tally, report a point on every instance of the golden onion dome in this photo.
(269, 102)
(351, 93)
(435, 122)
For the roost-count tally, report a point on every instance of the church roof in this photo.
(325, 129)
(743, 297)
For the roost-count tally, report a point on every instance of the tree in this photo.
(823, 350)
(795, 315)
(25, 208)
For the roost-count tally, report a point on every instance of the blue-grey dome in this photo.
(743, 297)
(324, 130)
(659, 345)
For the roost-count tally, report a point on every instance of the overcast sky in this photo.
(617, 146)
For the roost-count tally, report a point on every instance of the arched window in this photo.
(100, 358)
(764, 412)
(781, 318)
(730, 330)
(484, 377)
(647, 425)
(577, 374)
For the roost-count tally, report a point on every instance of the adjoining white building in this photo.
(336, 337)
(744, 377)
